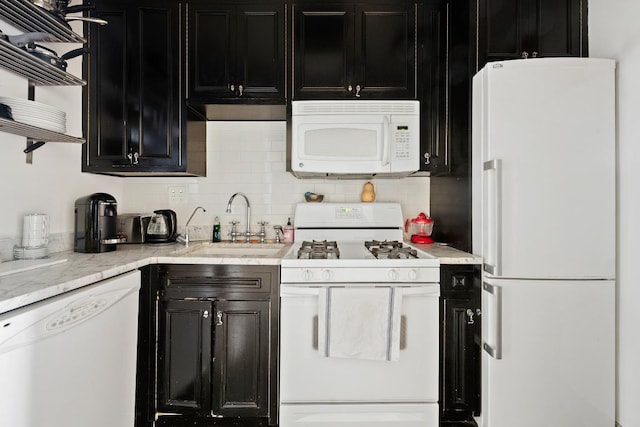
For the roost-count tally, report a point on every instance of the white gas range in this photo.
(359, 321)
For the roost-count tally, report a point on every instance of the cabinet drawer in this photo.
(206, 280)
(456, 278)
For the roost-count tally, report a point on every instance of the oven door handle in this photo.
(427, 289)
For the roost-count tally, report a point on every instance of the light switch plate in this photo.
(177, 194)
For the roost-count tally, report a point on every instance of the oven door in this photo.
(308, 377)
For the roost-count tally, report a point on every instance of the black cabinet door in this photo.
(261, 51)
(211, 46)
(460, 342)
(510, 29)
(348, 51)
(241, 364)
(434, 152)
(133, 107)
(460, 369)
(184, 357)
(323, 51)
(236, 52)
(385, 58)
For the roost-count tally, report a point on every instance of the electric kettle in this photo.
(162, 227)
(420, 228)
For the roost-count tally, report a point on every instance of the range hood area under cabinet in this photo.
(27, 17)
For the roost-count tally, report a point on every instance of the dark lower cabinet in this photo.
(214, 356)
(184, 357)
(460, 344)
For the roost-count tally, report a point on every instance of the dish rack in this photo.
(27, 17)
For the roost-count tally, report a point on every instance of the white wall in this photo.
(53, 182)
(614, 33)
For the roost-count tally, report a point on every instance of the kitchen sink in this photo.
(236, 250)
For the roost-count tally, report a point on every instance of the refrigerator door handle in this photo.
(496, 350)
(495, 242)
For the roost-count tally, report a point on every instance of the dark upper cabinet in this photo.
(345, 50)
(434, 153)
(510, 29)
(446, 76)
(236, 52)
(134, 116)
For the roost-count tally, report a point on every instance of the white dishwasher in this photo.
(70, 361)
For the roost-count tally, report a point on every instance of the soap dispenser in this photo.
(216, 230)
(288, 232)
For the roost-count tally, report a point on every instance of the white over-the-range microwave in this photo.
(354, 138)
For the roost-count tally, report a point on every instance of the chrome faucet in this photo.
(247, 233)
(185, 239)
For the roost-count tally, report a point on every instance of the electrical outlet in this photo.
(177, 194)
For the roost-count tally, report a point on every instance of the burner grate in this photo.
(390, 249)
(319, 250)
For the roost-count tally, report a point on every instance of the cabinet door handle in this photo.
(427, 158)
(350, 88)
(240, 90)
(205, 314)
(470, 315)
(534, 54)
(525, 54)
(219, 316)
(358, 89)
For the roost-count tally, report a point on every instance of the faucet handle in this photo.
(262, 223)
(278, 229)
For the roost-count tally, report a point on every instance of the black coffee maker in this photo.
(96, 223)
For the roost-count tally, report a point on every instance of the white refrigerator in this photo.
(544, 197)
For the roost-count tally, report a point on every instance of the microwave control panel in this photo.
(401, 142)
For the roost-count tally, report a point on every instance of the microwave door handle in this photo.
(385, 141)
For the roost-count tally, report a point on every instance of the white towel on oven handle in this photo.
(360, 322)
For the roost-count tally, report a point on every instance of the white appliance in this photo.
(70, 361)
(544, 222)
(354, 138)
(344, 271)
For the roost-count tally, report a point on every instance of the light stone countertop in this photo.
(447, 254)
(58, 276)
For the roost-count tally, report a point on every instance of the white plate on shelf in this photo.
(30, 105)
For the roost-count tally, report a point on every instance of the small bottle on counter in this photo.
(216, 230)
(288, 232)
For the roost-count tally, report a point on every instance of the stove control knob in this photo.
(308, 275)
(393, 274)
(327, 274)
(413, 274)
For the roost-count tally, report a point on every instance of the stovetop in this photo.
(345, 253)
(352, 235)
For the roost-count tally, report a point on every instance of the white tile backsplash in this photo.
(249, 157)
